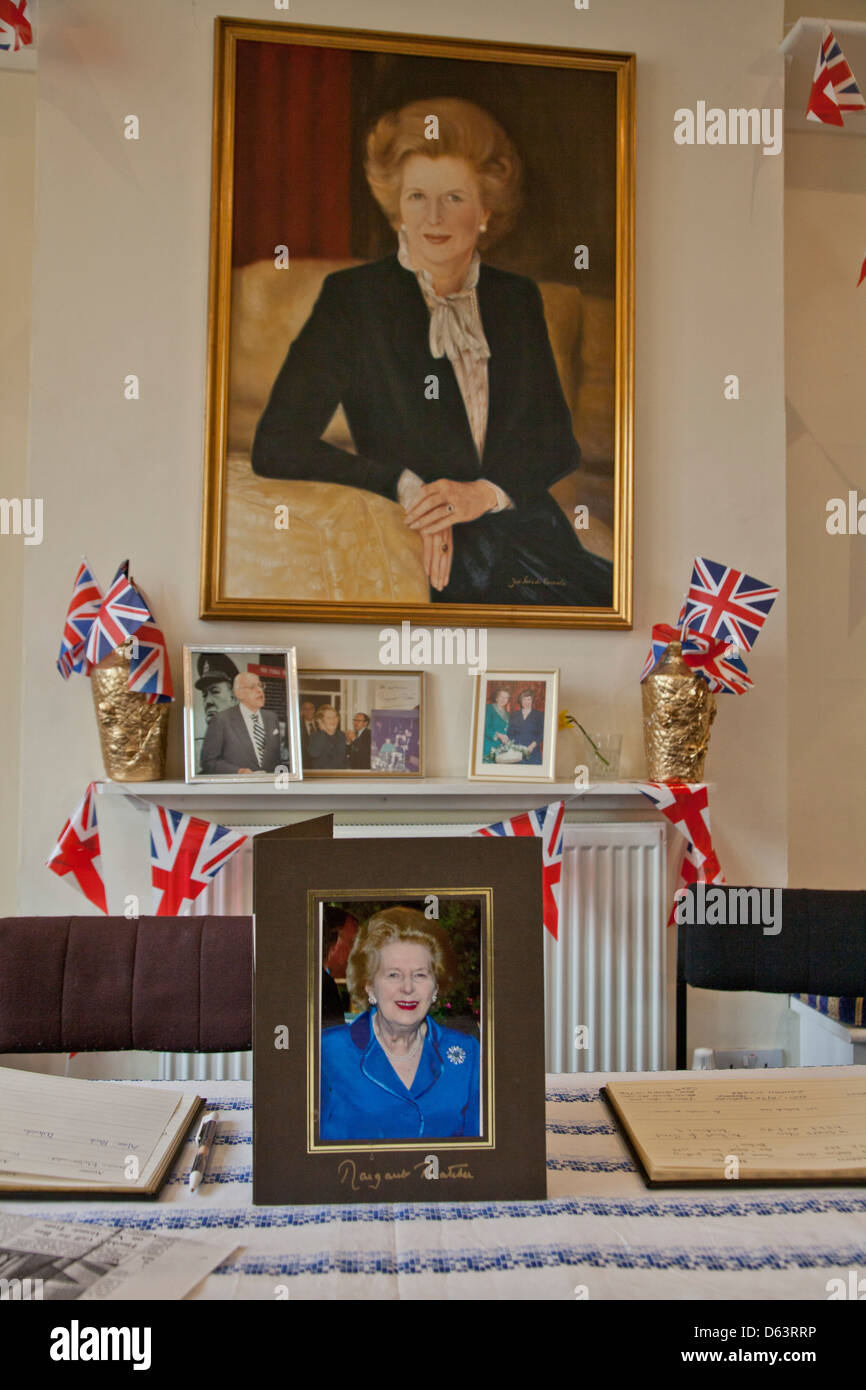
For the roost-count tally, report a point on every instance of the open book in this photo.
(58, 1134)
(747, 1127)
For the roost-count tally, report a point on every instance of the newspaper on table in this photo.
(65, 1261)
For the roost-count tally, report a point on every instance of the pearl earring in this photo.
(483, 227)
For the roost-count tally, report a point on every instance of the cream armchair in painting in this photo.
(346, 544)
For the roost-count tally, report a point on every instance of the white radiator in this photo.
(605, 977)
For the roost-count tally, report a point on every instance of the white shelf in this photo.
(344, 794)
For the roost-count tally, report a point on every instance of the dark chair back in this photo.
(94, 984)
(820, 947)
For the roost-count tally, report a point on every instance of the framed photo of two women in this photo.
(420, 371)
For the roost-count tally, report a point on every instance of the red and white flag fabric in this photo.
(862, 272)
(186, 854)
(717, 661)
(547, 822)
(686, 806)
(77, 851)
(121, 614)
(834, 86)
(149, 669)
(16, 31)
(83, 607)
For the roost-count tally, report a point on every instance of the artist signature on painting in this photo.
(359, 1179)
(527, 579)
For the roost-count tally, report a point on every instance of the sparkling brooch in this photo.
(456, 1055)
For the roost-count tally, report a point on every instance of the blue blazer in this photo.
(362, 1097)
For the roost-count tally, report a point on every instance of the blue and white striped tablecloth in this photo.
(601, 1234)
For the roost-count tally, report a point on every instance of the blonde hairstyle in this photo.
(383, 929)
(465, 132)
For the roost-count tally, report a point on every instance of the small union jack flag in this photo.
(547, 822)
(77, 851)
(121, 614)
(834, 87)
(83, 607)
(186, 854)
(686, 806)
(723, 670)
(726, 604)
(16, 30)
(149, 669)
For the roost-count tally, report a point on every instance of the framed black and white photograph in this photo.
(361, 723)
(399, 1024)
(241, 714)
(514, 725)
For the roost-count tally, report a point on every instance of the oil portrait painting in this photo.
(420, 381)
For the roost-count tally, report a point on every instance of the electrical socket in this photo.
(753, 1061)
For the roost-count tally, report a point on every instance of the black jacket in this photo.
(366, 346)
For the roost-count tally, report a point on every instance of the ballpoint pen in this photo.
(203, 1144)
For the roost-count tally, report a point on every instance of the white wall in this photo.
(120, 286)
(17, 137)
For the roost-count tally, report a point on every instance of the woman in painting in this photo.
(395, 1073)
(444, 369)
(496, 724)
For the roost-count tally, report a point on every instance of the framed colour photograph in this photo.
(399, 1021)
(361, 723)
(514, 726)
(420, 380)
(240, 712)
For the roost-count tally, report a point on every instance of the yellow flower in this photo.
(565, 719)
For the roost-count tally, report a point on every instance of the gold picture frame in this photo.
(260, 554)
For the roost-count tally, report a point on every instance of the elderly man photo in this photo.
(245, 739)
(359, 742)
(216, 672)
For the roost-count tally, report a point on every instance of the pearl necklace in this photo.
(407, 1055)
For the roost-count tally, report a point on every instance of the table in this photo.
(601, 1234)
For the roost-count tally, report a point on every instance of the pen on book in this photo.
(203, 1145)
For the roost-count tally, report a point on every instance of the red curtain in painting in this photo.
(292, 151)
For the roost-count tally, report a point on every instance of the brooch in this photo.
(456, 1055)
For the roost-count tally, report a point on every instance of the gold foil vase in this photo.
(132, 733)
(678, 710)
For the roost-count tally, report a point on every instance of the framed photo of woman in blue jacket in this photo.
(398, 1049)
(422, 331)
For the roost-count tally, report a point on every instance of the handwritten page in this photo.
(58, 1129)
(761, 1127)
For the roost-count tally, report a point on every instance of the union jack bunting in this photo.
(121, 614)
(726, 604)
(83, 608)
(186, 854)
(546, 822)
(77, 851)
(16, 30)
(686, 806)
(149, 670)
(834, 87)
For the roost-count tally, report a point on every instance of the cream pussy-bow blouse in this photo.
(456, 332)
